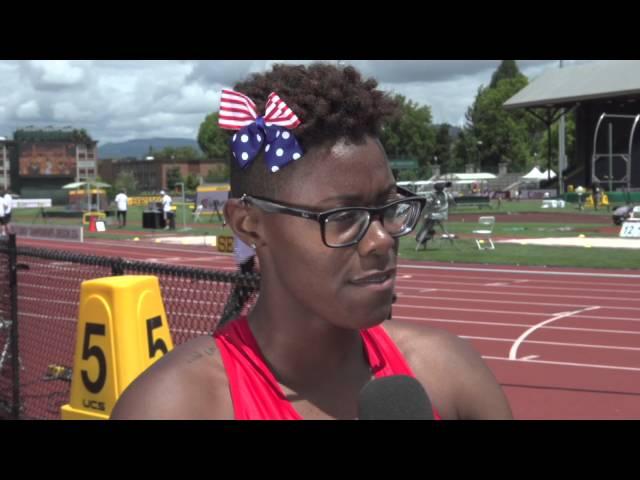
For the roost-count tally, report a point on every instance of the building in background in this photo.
(36, 163)
(152, 174)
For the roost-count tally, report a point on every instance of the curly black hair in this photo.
(332, 103)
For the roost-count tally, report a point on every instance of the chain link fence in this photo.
(48, 283)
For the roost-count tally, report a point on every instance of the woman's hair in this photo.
(332, 104)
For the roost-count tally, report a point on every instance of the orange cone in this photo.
(92, 224)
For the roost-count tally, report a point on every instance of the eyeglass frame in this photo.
(270, 206)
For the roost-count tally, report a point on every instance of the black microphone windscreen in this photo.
(396, 397)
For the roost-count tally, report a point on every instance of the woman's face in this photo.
(352, 286)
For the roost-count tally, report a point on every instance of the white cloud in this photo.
(28, 111)
(55, 74)
(116, 100)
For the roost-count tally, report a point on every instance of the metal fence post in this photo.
(15, 350)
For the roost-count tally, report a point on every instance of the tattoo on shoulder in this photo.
(195, 356)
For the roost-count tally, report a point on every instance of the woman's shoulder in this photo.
(455, 376)
(189, 382)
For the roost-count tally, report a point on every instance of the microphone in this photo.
(396, 397)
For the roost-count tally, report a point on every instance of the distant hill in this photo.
(139, 147)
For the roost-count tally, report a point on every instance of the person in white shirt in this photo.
(166, 209)
(121, 203)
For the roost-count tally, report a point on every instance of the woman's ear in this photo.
(244, 221)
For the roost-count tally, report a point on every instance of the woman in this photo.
(300, 178)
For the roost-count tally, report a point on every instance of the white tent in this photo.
(534, 174)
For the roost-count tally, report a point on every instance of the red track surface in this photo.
(564, 343)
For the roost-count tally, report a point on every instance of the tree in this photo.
(410, 134)
(126, 180)
(220, 173)
(463, 152)
(506, 69)
(443, 145)
(213, 140)
(179, 153)
(191, 182)
(505, 135)
(173, 177)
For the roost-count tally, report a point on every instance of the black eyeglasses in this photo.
(346, 226)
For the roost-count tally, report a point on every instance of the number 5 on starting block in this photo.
(122, 330)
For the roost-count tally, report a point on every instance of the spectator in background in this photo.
(596, 191)
(121, 203)
(167, 211)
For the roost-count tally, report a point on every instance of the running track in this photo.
(563, 343)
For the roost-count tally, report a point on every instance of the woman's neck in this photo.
(301, 347)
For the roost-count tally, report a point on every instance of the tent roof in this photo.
(569, 85)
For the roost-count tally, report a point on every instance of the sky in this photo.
(119, 100)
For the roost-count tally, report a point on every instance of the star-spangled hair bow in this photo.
(238, 112)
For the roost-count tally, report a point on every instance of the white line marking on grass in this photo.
(514, 348)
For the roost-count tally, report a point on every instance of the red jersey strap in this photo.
(256, 394)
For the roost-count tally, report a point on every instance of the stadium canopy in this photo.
(566, 87)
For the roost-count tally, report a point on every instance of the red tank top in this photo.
(256, 394)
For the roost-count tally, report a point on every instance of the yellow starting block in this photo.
(122, 330)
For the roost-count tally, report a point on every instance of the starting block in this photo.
(122, 330)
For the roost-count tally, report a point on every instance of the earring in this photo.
(253, 245)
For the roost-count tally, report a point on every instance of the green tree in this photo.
(191, 182)
(127, 181)
(506, 135)
(411, 134)
(213, 140)
(218, 174)
(506, 69)
(464, 152)
(443, 145)
(179, 153)
(173, 177)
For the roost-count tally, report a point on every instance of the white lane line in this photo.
(530, 357)
(514, 348)
(568, 364)
(523, 272)
(514, 325)
(496, 284)
(606, 318)
(513, 302)
(553, 344)
(525, 294)
(424, 290)
(621, 290)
